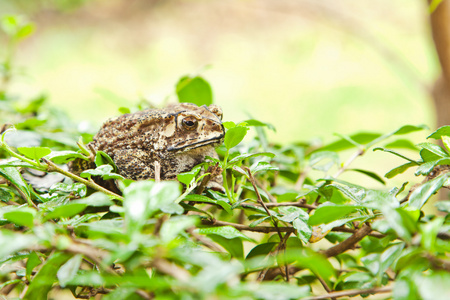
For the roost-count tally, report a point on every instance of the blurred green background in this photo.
(311, 68)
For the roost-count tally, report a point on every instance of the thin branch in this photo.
(355, 292)
(268, 229)
(349, 162)
(52, 167)
(348, 243)
(261, 202)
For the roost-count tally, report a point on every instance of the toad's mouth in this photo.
(186, 146)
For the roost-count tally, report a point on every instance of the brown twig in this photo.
(354, 292)
(268, 229)
(171, 269)
(348, 243)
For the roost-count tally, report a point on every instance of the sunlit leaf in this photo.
(194, 90)
(35, 153)
(227, 232)
(234, 136)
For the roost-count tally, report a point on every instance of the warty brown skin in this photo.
(178, 137)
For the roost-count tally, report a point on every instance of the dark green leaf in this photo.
(233, 246)
(261, 250)
(102, 158)
(370, 174)
(66, 211)
(194, 90)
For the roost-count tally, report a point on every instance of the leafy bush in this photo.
(287, 226)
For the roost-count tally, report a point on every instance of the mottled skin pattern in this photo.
(178, 137)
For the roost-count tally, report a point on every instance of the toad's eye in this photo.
(189, 123)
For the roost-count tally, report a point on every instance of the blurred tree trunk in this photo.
(440, 27)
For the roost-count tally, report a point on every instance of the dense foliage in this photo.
(287, 226)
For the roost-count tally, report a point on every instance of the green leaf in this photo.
(435, 286)
(32, 262)
(421, 194)
(233, 246)
(105, 171)
(329, 212)
(442, 131)
(200, 198)
(253, 122)
(280, 291)
(396, 153)
(330, 157)
(234, 136)
(12, 242)
(261, 250)
(228, 232)
(390, 255)
(175, 225)
(194, 90)
(66, 211)
(102, 158)
(435, 149)
(63, 157)
(402, 130)
(262, 166)
(96, 199)
(402, 144)
(44, 279)
(241, 157)
(144, 198)
(69, 270)
(14, 176)
(443, 206)
(429, 234)
(401, 221)
(400, 169)
(35, 153)
(303, 230)
(187, 177)
(23, 216)
(370, 174)
(77, 188)
(344, 143)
